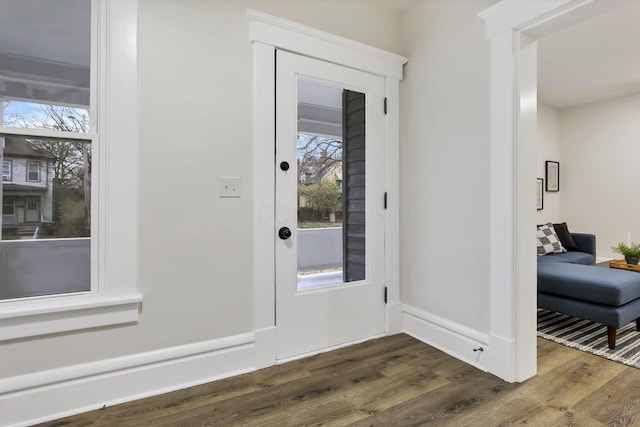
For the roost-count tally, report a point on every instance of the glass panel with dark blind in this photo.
(331, 186)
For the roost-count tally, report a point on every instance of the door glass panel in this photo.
(331, 185)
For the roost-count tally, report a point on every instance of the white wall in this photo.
(195, 111)
(600, 170)
(444, 163)
(195, 125)
(548, 147)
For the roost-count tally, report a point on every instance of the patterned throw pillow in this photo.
(548, 241)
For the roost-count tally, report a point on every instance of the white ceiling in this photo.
(396, 5)
(591, 61)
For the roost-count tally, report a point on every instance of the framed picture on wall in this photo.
(540, 194)
(552, 171)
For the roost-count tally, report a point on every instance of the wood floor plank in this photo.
(572, 381)
(617, 402)
(546, 416)
(466, 390)
(551, 355)
(185, 401)
(266, 403)
(394, 381)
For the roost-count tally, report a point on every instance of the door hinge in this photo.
(385, 105)
(385, 294)
(385, 200)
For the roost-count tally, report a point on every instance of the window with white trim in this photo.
(6, 170)
(33, 171)
(8, 207)
(50, 78)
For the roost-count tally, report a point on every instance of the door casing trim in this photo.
(511, 27)
(268, 33)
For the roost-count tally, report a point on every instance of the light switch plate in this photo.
(229, 186)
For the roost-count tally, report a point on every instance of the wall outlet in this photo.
(229, 186)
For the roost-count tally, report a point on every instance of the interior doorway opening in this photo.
(513, 175)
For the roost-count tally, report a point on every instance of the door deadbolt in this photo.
(284, 233)
(284, 166)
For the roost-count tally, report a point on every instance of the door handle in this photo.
(284, 233)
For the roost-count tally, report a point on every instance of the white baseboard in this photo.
(454, 339)
(47, 395)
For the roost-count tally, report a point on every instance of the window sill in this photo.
(63, 314)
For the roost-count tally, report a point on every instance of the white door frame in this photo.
(268, 33)
(513, 26)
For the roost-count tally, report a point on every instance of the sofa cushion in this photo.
(569, 257)
(607, 286)
(565, 236)
(548, 241)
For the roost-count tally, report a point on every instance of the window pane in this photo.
(6, 170)
(331, 185)
(7, 205)
(45, 55)
(46, 223)
(33, 171)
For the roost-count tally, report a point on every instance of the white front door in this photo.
(330, 174)
(20, 211)
(33, 209)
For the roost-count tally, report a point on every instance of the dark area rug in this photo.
(590, 337)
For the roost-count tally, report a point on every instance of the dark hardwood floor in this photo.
(395, 381)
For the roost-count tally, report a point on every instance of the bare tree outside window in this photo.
(70, 161)
(316, 155)
(319, 180)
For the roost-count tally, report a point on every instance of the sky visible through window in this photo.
(19, 114)
(24, 109)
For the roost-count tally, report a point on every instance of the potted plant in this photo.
(630, 252)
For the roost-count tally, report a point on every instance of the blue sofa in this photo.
(569, 283)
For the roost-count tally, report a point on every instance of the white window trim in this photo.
(29, 171)
(114, 298)
(10, 178)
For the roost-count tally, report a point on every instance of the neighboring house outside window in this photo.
(6, 170)
(33, 171)
(27, 197)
